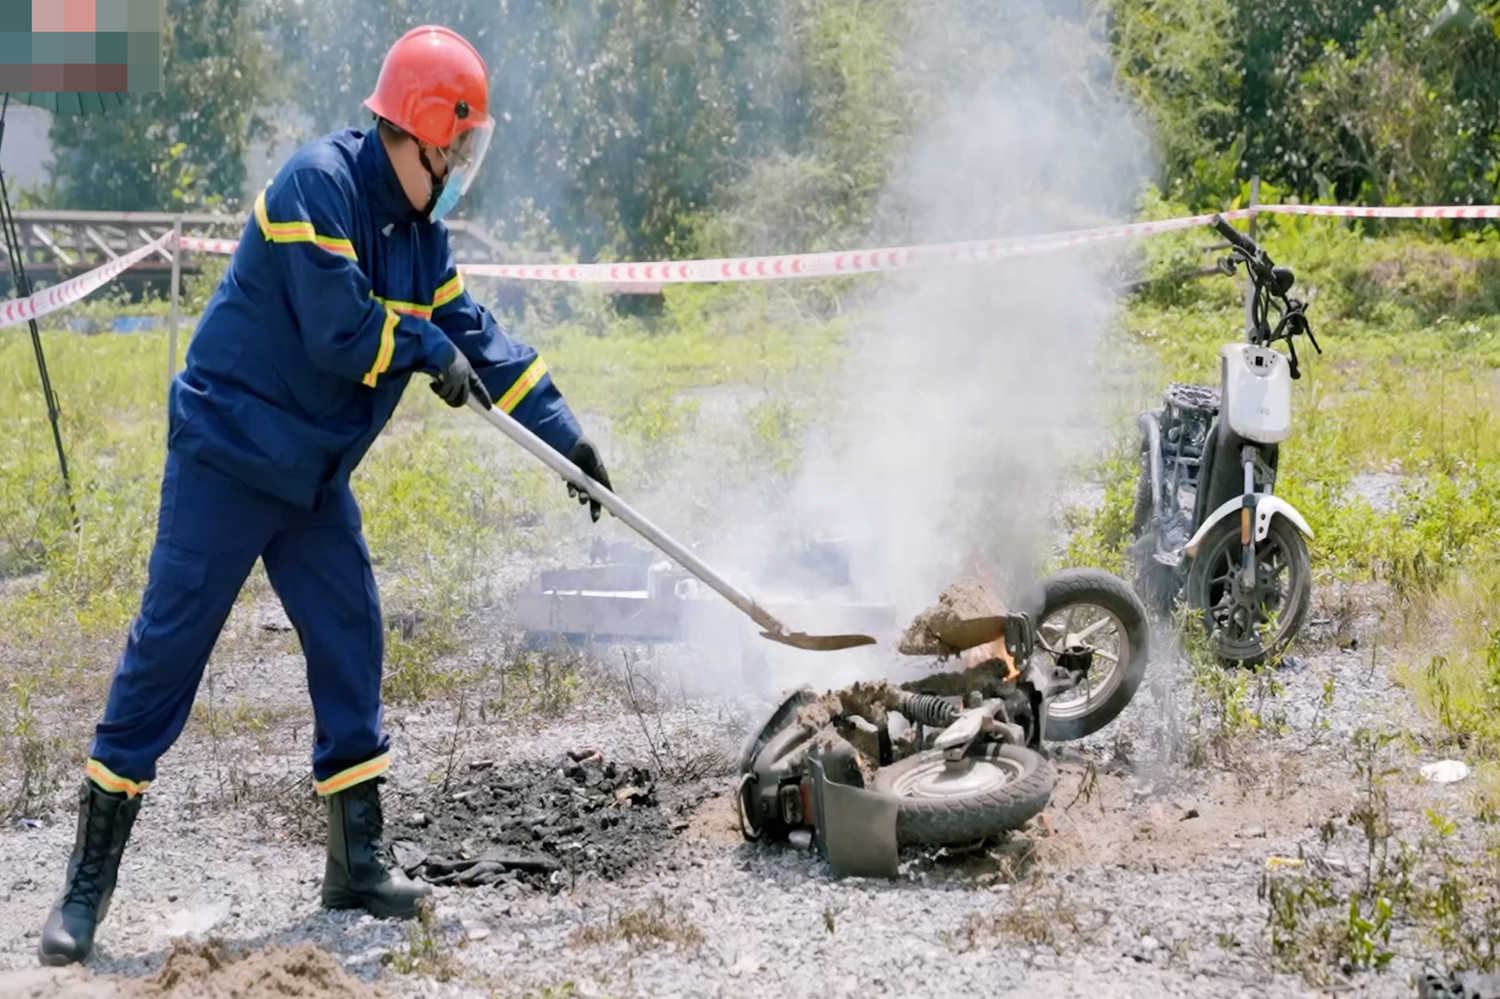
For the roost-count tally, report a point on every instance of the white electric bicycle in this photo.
(1207, 524)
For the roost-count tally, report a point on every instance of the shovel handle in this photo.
(549, 456)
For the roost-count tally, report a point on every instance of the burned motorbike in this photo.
(953, 757)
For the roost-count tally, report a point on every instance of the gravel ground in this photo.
(735, 918)
(1142, 881)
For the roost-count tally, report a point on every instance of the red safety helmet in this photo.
(434, 86)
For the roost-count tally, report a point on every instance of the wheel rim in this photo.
(1238, 626)
(1099, 630)
(937, 778)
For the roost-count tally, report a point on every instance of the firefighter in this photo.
(342, 287)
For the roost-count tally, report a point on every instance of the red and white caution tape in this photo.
(1398, 212)
(60, 296)
(771, 268)
(223, 247)
(849, 262)
(835, 264)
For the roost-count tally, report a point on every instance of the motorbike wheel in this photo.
(1237, 632)
(1140, 510)
(997, 788)
(1103, 607)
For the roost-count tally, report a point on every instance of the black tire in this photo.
(943, 819)
(1110, 593)
(1140, 512)
(1204, 592)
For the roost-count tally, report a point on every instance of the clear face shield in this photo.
(464, 156)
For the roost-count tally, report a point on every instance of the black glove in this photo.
(586, 457)
(458, 381)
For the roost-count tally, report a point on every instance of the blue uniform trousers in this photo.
(210, 530)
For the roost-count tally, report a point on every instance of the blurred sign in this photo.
(50, 48)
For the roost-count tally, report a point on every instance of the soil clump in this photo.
(964, 616)
(207, 971)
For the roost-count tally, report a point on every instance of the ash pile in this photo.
(537, 826)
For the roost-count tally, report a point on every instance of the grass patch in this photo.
(426, 950)
(1327, 919)
(642, 930)
(1040, 914)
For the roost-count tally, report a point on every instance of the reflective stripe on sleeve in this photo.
(448, 291)
(299, 232)
(387, 349)
(513, 395)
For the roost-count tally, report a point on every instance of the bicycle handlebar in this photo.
(1256, 259)
(1263, 272)
(1235, 237)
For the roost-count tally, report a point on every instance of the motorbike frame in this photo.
(809, 791)
(1186, 441)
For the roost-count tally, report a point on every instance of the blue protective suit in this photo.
(337, 293)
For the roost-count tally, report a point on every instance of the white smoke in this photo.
(963, 387)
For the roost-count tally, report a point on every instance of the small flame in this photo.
(982, 571)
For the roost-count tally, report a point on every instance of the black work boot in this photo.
(354, 877)
(104, 821)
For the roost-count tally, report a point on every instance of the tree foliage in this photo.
(635, 128)
(616, 120)
(1358, 100)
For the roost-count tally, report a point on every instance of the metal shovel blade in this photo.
(773, 629)
(819, 643)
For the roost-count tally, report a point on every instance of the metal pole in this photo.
(176, 287)
(1249, 281)
(774, 629)
(23, 290)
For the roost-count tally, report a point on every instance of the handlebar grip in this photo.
(1234, 236)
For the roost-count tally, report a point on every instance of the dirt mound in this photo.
(208, 971)
(534, 825)
(205, 971)
(967, 614)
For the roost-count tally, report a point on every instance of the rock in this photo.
(370, 955)
(1148, 944)
(481, 764)
(746, 965)
(1253, 831)
(474, 929)
(418, 819)
(408, 855)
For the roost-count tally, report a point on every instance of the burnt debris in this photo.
(538, 826)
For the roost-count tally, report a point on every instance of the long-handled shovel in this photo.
(773, 629)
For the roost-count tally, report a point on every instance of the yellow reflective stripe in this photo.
(387, 349)
(513, 396)
(299, 232)
(111, 781)
(448, 291)
(260, 216)
(409, 308)
(345, 779)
